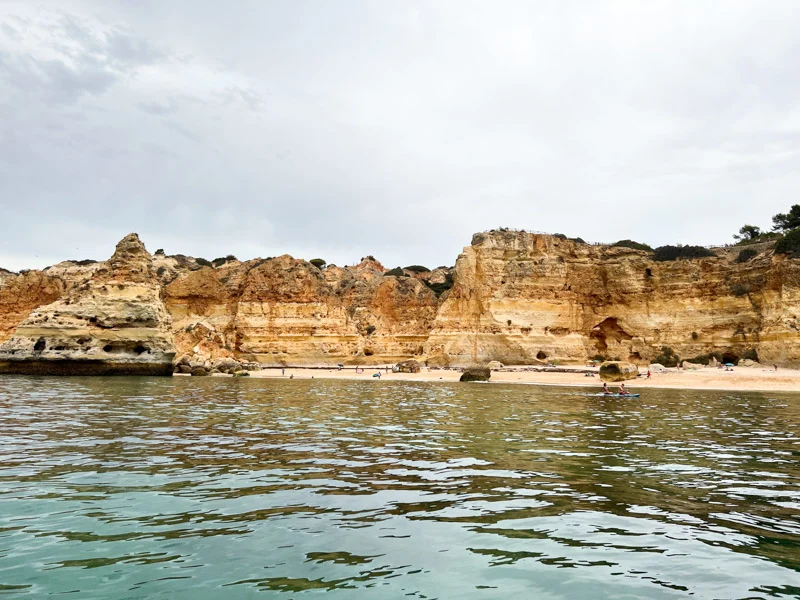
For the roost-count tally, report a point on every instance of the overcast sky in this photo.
(337, 129)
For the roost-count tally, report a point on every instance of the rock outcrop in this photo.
(407, 366)
(615, 370)
(115, 323)
(20, 294)
(520, 298)
(284, 311)
(513, 297)
(476, 374)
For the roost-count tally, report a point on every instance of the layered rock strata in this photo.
(114, 323)
(513, 297)
(522, 298)
(287, 311)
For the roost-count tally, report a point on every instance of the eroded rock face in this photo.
(114, 323)
(20, 294)
(520, 298)
(287, 311)
(516, 298)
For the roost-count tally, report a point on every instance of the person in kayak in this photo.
(606, 391)
(622, 390)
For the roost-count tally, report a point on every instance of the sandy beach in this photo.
(740, 378)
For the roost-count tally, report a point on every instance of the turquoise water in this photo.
(234, 488)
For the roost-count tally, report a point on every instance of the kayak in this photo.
(618, 395)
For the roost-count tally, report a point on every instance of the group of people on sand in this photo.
(623, 391)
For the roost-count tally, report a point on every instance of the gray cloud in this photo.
(157, 108)
(395, 130)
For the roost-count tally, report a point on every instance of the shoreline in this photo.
(709, 379)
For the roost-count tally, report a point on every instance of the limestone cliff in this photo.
(521, 298)
(516, 297)
(114, 323)
(287, 311)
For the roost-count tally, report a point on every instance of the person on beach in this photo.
(648, 373)
(622, 390)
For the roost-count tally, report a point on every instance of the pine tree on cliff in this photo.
(787, 221)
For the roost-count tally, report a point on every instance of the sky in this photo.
(395, 128)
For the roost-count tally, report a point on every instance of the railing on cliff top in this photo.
(535, 232)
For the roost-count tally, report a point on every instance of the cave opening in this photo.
(730, 357)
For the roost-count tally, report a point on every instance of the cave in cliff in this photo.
(607, 330)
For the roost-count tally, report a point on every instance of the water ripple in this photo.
(202, 488)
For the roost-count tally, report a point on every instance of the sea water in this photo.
(233, 488)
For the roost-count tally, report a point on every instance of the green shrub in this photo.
(667, 253)
(396, 272)
(750, 354)
(704, 359)
(84, 262)
(560, 236)
(318, 262)
(441, 288)
(161, 271)
(203, 262)
(668, 358)
(218, 262)
(789, 244)
(418, 269)
(746, 255)
(577, 240)
(632, 244)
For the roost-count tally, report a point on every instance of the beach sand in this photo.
(741, 378)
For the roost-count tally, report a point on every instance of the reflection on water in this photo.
(208, 488)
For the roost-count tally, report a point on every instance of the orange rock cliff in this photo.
(513, 297)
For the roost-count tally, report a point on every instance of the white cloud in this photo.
(396, 129)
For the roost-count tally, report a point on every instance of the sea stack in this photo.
(114, 324)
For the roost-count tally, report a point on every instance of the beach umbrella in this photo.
(729, 364)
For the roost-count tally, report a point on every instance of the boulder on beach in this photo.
(226, 365)
(691, 366)
(494, 365)
(407, 366)
(657, 368)
(746, 362)
(476, 374)
(617, 370)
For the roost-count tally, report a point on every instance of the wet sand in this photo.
(740, 378)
